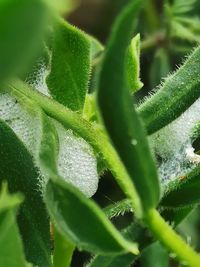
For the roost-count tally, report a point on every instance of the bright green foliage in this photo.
(133, 65)
(21, 33)
(18, 169)
(11, 253)
(70, 66)
(119, 115)
(177, 93)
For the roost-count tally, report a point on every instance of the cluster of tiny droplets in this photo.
(173, 145)
(24, 124)
(36, 78)
(76, 161)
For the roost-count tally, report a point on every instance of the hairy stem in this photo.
(173, 242)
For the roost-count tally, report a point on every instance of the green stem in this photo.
(92, 133)
(173, 242)
(100, 142)
(63, 251)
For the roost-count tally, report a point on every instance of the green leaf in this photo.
(11, 253)
(133, 65)
(94, 232)
(175, 216)
(17, 167)
(176, 94)
(119, 115)
(155, 255)
(160, 67)
(22, 24)
(184, 192)
(70, 66)
(66, 205)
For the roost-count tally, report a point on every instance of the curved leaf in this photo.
(70, 66)
(119, 115)
(66, 205)
(178, 93)
(17, 167)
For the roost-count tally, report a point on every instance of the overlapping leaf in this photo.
(119, 115)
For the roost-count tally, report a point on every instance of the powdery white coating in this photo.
(36, 78)
(173, 144)
(76, 161)
(26, 125)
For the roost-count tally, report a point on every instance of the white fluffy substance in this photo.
(173, 145)
(77, 163)
(36, 78)
(26, 125)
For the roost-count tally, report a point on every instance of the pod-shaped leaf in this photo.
(183, 192)
(70, 66)
(133, 65)
(119, 115)
(17, 167)
(11, 253)
(22, 25)
(177, 93)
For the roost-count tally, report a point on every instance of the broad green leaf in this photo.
(70, 66)
(176, 94)
(22, 24)
(133, 65)
(119, 115)
(160, 67)
(18, 169)
(11, 253)
(93, 232)
(155, 255)
(183, 192)
(66, 205)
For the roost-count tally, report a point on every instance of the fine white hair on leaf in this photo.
(173, 145)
